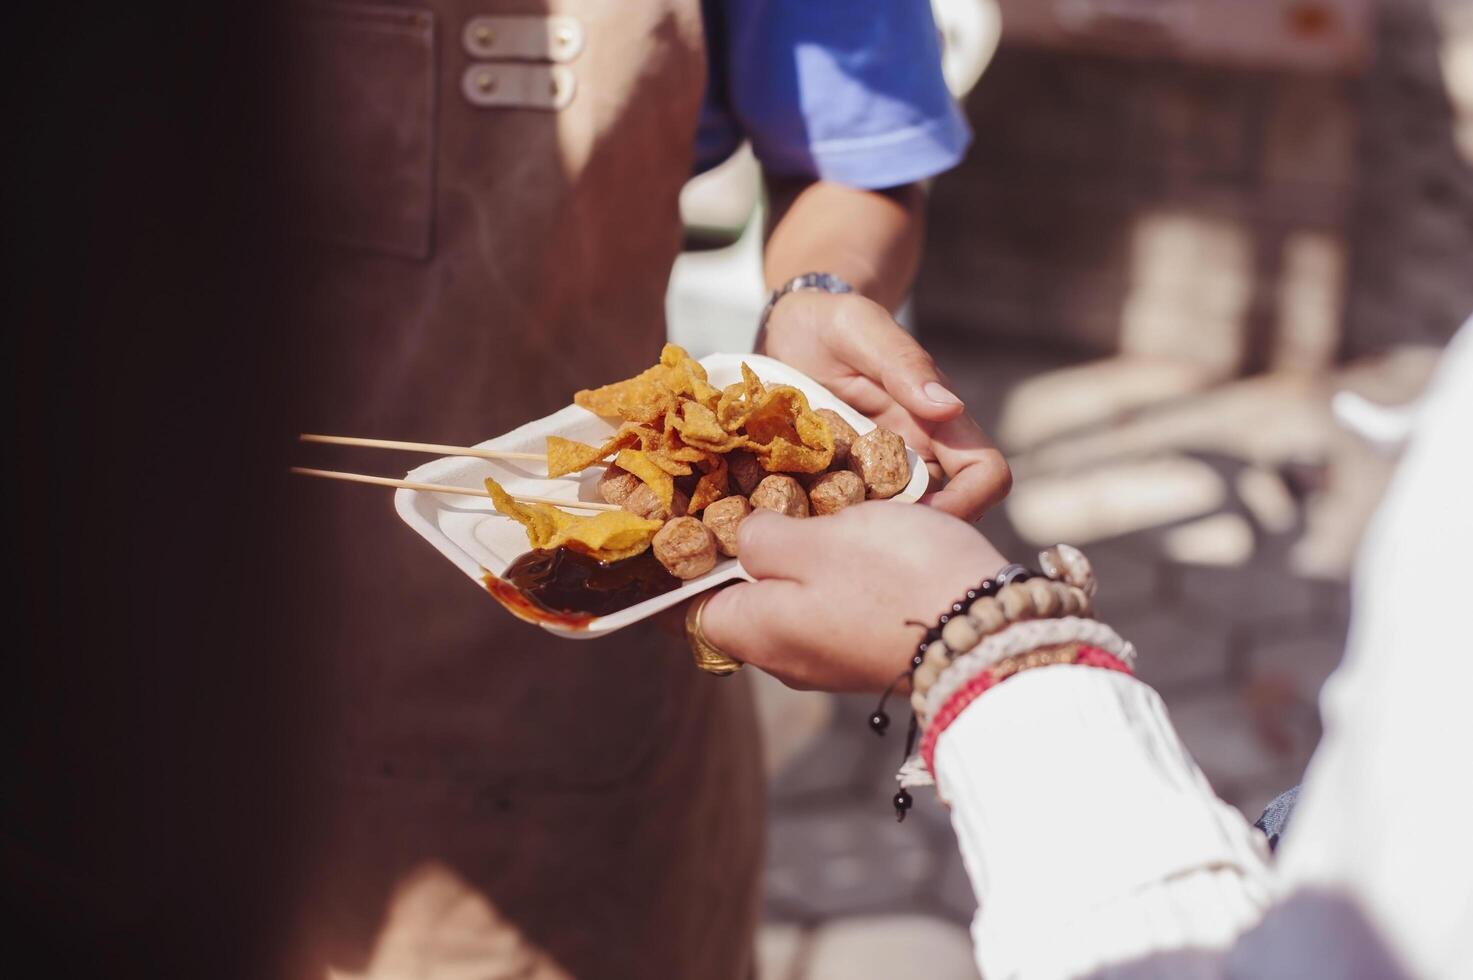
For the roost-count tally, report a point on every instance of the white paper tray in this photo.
(477, 540)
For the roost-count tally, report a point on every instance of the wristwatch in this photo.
(825, 282)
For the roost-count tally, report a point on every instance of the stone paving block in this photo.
(890, 947)
(781, 950)
(1239, 736)
(1264, 589)
(1303, 662)
(790, 720)
(1052, 403)
(1178, 648)
(839, 760)
(844, 860)
(952, 889)
(1113, 499)
(1222, 540)
(1309, 133)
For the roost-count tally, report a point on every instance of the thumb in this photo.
(875, 345)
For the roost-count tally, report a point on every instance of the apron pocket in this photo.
(362, 128)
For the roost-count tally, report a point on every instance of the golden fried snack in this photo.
(843, 433)
(878, 458)
(832, 492)
(723, 518)
(685, 547)
(651, 394)
(713, 484)
(781, 493)
(606, 536)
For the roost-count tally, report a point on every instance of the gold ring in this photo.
(707, 655)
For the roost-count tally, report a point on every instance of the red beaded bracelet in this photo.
(1086, 656)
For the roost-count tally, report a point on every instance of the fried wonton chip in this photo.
(647, 396)
(713, 484)
(610, 535)
(681, 418)
(787, 435)
(738, 401)
(606, 536)
(684, 381)
(649, 472)
(670, 465)
(648, 436)
(606, 400)
(782, 456)
(566, 456)
(698, 427)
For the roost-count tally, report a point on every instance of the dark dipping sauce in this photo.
(568, 588)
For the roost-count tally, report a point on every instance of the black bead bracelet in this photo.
(879, 720)
(987, 587)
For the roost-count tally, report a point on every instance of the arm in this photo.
(1079, 812)
(1097, 826)
(869, 238)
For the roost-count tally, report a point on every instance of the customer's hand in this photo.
(855, 348)
(833, 593)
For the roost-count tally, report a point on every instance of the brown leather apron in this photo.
(485, 249)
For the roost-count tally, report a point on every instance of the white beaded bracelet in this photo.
(1021, 638)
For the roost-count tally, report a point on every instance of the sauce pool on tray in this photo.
(564, 587)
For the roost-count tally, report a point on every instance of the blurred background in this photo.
(1201, 257)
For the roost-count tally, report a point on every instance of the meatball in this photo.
(723, 517)
(685, 547)
(616, 485)
(832, 492)
(781, 493)
(844, 435)
(878, 457)
(746, 472)
(646, 503)
(626, 490)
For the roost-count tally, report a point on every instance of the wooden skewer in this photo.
(384, 481)
(422, 447)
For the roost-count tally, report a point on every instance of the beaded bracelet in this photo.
(1013, 595)
(1017, 639)
(959, 700)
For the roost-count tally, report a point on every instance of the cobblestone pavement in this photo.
(1237, 650)
(1173, 226)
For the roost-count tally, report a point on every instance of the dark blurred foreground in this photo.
(147, 820)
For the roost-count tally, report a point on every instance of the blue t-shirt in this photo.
(843, 90)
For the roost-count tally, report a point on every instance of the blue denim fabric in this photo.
(1275, 819)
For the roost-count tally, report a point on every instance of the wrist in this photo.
(808, 282)
(1008, 623)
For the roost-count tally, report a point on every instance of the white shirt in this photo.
(1097, 848)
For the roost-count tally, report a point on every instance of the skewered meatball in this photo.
(746, 472)
(843, 432)
(723, 517)
(616, 485)
(832, 492)
(646, 503)
(781, 493)
(630, 492)
(878, 457)
(685, 547)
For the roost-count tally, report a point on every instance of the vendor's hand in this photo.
(854, 348)
(829, 608)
